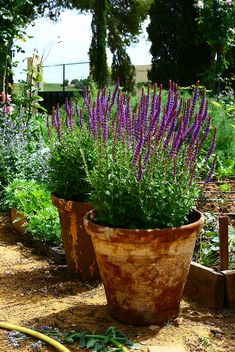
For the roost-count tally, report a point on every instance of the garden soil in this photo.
(36, 292)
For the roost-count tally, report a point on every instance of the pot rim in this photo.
(58, 201)
(89, 216)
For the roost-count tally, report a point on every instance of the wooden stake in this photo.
(223, 235)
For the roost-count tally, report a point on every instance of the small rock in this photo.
(153, 327)
(178, 321)
(217, 331)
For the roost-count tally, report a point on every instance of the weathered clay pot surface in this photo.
(143, 271)
(77, 243)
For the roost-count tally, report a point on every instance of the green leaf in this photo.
(82, 340)
(225, 187)
(91, 342)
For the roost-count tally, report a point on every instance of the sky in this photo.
(68, 41)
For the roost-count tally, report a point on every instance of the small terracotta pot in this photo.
(77, 243)
(143, 271)
(18, 221)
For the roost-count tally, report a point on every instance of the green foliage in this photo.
(33, 200)
(66, 174)
(178, 52)
(23, 151)
(223, 120)
(29, 98)
(80, 83)
(121, 201)
(110, 341)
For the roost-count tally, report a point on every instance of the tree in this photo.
(15, 15)
(178, 53)
(97, 52)
(123, 20)
(216, 24)
(123, 17)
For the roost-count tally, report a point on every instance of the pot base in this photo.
(132, 317)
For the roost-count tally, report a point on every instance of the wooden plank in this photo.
(205, 286)
(223, 235)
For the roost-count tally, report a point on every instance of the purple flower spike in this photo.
(212, 170)
(48, 127)
(212, 147)
(140, 170)
(53, 118)
(147, 154)
(195, 98)
(138, 149)
(203, 101)
(174, 167)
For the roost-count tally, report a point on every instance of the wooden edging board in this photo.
(212, 289)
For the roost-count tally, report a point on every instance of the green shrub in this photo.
(33, 200)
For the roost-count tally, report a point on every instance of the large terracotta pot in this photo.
(77, 243)
(144, 271)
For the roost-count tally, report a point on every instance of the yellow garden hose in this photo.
(36, 334)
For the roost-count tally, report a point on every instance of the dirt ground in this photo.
(36, 292)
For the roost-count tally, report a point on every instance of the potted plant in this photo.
(69, 135)
(144, 190)
(32, 212)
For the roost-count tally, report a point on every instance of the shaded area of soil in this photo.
(36, 292)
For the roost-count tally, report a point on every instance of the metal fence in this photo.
(65, 77)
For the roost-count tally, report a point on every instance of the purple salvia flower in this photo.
(169, 98)
(205, 113)
(179, 110)
(192, 174)
(48, 127)
(147, 154)
(104, 129)
(140, 170)
(205, 132)
(70, 116)
(212, 147)
(128, 120)
(161, 128)
(79, 113)
(140, 114)
(196, 131)
(154, 100)
(53, 118)
(195, 98)
(133, 122)
(170, 132)
(187, 114)
(116, 90)
(93, 121)
(212, 170)
(174, 167)
(194, 153)
(58, 114)
(203, 101)
(138, 148)
(67, 108)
